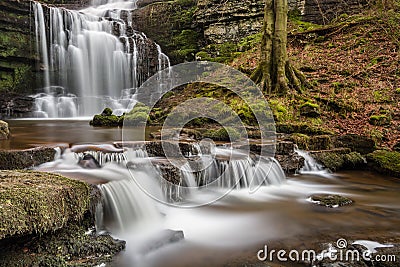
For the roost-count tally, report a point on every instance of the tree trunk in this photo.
(275, 73)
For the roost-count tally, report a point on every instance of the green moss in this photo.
(309, 104)
(107, 112)
(37, 202)
(105, 121)
(397, 91)
(279, 110)
(380, 120)
(385, 162)
(223, 134)
(304, 128)
(138, 116)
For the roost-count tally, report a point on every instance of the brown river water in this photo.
(231, 231)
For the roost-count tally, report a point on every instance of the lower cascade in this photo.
(132, 183)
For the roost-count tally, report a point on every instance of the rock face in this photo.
(17, 54)
(230, 21)
(22, 159)
(4, 131)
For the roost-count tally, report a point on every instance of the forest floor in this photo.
(353, 66)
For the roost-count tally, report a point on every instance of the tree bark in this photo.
(275, 74)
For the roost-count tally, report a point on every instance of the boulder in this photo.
(37, 202)
(4, 130)
(358, 143)
(330, 201)
(385, 162)
(339, 159)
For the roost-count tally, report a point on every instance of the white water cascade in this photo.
(92, 59)
(311, 166)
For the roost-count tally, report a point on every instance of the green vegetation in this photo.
(138, 116)
(380, 120)
(222, 134)
(37, 202)
(386, 162)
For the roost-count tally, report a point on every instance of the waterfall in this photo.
(311, 166)
(92, 59)
(240, 173)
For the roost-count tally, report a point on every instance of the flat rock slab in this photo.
(23, 159)
(37, 202)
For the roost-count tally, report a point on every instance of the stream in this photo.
(235, 226)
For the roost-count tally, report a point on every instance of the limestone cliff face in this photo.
(17, 56)
(224, 21)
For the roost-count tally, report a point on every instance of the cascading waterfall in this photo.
(311, 166)
(128, 177)
(92, 59)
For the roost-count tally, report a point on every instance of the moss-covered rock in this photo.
(70, 246)
(4, 130)
(36, 202)
(340, 159)
(380, 120)
(138, 116)
(386, 162)
(317, 142)
(358, 143)
(23, 159)
(310, 110)
(303, 128)
(106, 119)
(223, 134)
(330, 201)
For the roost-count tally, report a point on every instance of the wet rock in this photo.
(4, 130)
(23, 159)
(38, 202)
(330, 201)
(385, 162)
(89, 162)
(290, 163)
(285, 148)
(163, 238)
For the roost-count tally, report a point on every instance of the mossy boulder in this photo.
(359, 143)
(70, 246)
(310, 110)
(106, 119)
(36, 202)
(23, 159)
(303, 128)
(317, 142)
(4, 130)
(330, 201)
(138, 116)
(385, 162)
(380, 120)
(340, 159)
(222, 134)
